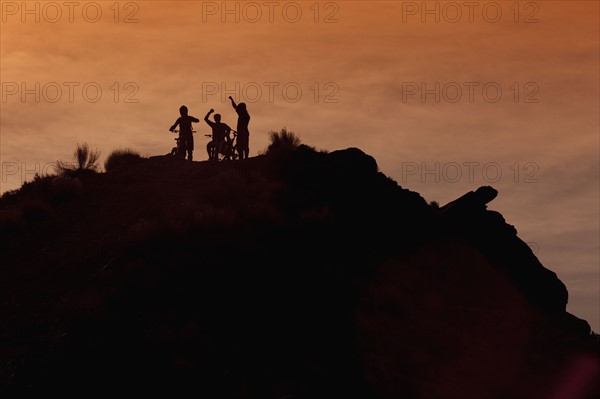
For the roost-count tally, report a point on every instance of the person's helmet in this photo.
(183, 110)
(218, 117)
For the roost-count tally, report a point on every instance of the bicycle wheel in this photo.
(210, 149)
(226, 151)
(235, 153)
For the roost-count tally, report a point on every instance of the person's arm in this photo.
(195, 120)
(206, 118)
(233, 104)
(175, 124)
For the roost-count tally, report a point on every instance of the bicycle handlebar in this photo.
(210, 135)
(195, 131)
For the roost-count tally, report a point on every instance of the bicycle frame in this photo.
(228, 151)
(178, 151)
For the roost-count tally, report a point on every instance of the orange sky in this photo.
(355, 63)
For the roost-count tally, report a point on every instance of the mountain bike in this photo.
(229, 149)
(178, 151)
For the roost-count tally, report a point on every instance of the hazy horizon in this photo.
(496, 94)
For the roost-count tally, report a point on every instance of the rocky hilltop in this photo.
(296, 274)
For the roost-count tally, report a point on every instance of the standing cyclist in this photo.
(243, 135)
(186, 139)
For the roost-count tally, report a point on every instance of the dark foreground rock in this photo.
(292, 275)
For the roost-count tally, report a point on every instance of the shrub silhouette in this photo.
(283, 140)
(86, 160)
(121, 158)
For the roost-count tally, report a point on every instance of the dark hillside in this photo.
(297, 274)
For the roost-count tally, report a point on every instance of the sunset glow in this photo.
(446, 96)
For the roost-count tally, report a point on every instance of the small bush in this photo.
(86, 160)
(121, 158)
(434, 204)
(283, 140)
(9, 195)
(40, 187)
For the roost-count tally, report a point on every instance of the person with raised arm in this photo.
(220, 131)
(243, 134)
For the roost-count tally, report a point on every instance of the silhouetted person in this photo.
(186, 139)
(243, 135)
(219, 132)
